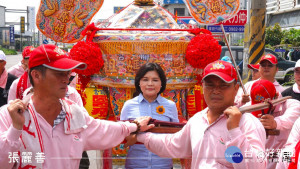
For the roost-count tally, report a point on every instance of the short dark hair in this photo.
(39, 68)
(146, 68)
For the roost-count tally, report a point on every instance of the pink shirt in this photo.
(248, 86)
(3, 79)
(63, 150)
(285, 116)
(16, 70)
(293, 139)
(73, 95)
(206, 143)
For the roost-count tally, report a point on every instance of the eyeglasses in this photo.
(267, 65)
(222, 87)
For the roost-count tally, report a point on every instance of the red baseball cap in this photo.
(253, 66)
(222, 69)
(260, 91)
(27, 51)
(269, 57)
(54, 58)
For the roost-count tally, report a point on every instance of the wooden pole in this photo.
(233, 61)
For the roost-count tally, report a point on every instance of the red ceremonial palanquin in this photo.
(125, 52)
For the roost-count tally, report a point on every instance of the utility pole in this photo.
(255, 40)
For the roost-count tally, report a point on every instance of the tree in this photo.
(274, 35)
(291, 36)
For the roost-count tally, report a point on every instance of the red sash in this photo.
(293, 164)
(22, 85)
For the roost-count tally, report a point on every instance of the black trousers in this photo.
(84, 162)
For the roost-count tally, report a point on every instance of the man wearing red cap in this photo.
(20, 68)
(281, 117)
(267, 69)
(53, 130)
(20, 85)
(219, 134)
(255, 71)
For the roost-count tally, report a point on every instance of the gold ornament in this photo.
(144, 2)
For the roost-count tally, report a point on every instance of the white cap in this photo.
(297, 64)
(2, 55)
(192, 22)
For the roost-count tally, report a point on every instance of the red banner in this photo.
(239, 19)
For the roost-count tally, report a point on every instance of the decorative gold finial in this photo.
(144, 2)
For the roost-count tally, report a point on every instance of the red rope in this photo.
(142, 29)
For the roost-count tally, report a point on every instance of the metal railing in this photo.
(277, 6)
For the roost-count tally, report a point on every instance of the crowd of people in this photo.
(42, 117)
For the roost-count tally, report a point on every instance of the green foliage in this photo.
(70, 46)
(25, 43)
(8, 51)
(291, 36)
(269, 46)
(239, 43)
(274, 35)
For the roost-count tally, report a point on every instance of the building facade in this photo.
(284, 12)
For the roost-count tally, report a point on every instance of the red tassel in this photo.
(202, 49)
(89, 53)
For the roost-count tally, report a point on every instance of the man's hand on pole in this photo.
(143, 121)
(268, 121)
(233, 117)
(245, 98)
